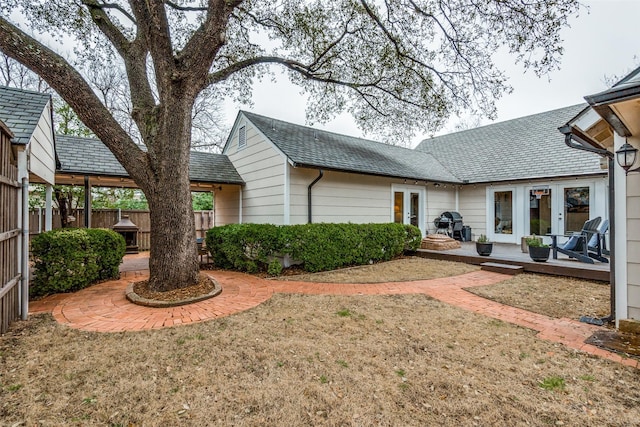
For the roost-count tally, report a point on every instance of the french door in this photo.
(409, 206)
(559, 209)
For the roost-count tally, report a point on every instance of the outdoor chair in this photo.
(577, 245)
(597, 246)
(202, 250)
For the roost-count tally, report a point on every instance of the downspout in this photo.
(24, 285)
(569, 141)
(319, 177)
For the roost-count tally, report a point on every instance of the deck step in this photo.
(502, 268)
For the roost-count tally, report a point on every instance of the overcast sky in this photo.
(601, 42)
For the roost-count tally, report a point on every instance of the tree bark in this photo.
(173, 261)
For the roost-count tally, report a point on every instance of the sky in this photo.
(603, 41)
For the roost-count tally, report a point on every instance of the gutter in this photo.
(310, 206)
(575, 138)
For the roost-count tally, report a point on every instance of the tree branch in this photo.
(67, 82)
(184, 8)
(112, 6)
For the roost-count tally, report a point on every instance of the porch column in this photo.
(87, 202)
(622, 309)
(48, 210)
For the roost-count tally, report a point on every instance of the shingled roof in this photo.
(20, 110)
(89, 156)
(523, 148)
(313, 148)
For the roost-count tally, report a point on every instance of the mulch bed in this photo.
(203, 287)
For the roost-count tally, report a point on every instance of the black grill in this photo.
(450, 222)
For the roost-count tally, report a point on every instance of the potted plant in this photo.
(538, 251)
(484, 246)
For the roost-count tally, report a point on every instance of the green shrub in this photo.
(244, 247)
(413, 238)
(67, 260)
(275, 268)
(109, 247)
(319, 247)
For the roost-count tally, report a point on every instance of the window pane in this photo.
(398, 207)
(503, 218)
(415, 207)
(540, 212)
(576, 208)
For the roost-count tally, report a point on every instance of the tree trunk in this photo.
(173, 261)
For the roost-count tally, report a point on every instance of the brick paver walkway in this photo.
(104, 308)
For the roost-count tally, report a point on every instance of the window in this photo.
(576, 208)
(242, 137)
(503, 215)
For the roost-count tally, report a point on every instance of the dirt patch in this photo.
(399, 270)
(312, 360)
(550, 295)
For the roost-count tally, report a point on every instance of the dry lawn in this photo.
(553, 296)
(399, 270)
(311, 360)
(327, 360)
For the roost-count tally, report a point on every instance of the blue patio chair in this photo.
(597, 245)
(576, 247)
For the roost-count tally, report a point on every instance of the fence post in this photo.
(24, 286)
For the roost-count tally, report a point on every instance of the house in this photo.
(295, 174)
(521, 179)
(26, 123)
(508, 179)
(611, 126)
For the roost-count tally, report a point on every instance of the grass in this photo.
(552, 383)
(253, 369)
(550, 295)
(309, 360)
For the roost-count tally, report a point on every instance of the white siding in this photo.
(472, 204)
(261, 167)
(226, 202)
(340, 197)
(41, 152)
(439, 199)
(633, 245)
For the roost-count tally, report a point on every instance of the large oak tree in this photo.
(397, 66)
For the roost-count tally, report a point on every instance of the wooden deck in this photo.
(512, 255)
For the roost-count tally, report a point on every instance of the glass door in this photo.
(501, 221)
(573, 208)
(408, 206)
(540, 217)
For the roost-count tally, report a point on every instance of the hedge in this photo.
(320, 247)
(66, 260)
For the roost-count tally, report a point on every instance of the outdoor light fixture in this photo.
(626, 157)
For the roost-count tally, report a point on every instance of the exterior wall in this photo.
(226, 205)
(633, 243)
(439, 199)
(473, 208)
(340, 197)
(41, 151)
(262, 167)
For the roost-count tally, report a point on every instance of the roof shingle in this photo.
(523, 148)
(20, 110)
(309, 147)
(89, 156)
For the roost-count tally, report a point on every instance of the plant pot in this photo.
(539, 254)
(484, 249)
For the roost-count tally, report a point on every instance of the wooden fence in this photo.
(106, 218)
(9, 234)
